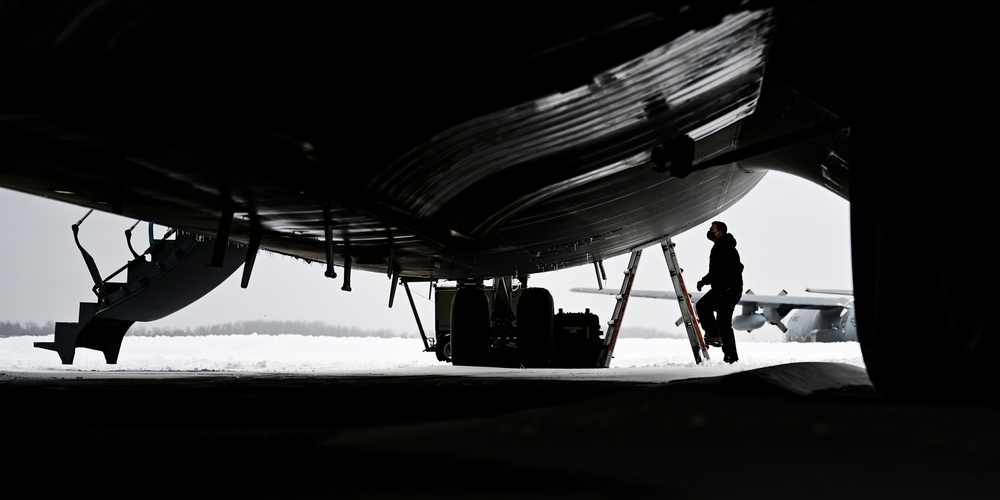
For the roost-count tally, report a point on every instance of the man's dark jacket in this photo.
(724, 267)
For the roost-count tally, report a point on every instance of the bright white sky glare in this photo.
(791, 234)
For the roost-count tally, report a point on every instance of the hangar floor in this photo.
(801, 429)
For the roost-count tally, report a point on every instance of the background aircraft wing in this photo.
(749, 299)
(794, 302)
(649, 294)
(833, 291)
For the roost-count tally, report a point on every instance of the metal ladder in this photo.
(615, 323)
(698, 346)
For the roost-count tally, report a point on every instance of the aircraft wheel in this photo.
(442, 348)
(470, 327)
(924, 232)
(535, 312)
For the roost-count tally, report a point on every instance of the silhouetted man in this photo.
(725, 277)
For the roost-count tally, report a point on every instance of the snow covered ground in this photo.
(634, 359)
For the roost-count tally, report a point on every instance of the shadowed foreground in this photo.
(802, 429)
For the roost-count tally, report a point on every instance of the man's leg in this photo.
(727, 306)
(706, 315)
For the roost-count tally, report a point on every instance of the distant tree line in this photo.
(639, 332)
(8, 329)
(312, 329)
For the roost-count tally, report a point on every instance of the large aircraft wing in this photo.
(422, 143)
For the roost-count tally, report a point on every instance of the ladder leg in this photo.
(614, 324)
(698, 345)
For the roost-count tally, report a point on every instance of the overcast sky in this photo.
(791, 235)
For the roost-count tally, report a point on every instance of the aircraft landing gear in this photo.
(478, 335)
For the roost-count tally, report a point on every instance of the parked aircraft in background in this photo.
(801, 319)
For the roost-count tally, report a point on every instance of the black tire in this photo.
(917, 170)
(442, 347)
(470, 327)
(535, 312)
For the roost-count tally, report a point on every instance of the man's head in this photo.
(718, 229)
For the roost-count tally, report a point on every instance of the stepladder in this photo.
(698, 346)
(615, 323)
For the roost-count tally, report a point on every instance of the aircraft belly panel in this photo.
(638, 214)
(473, 177)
